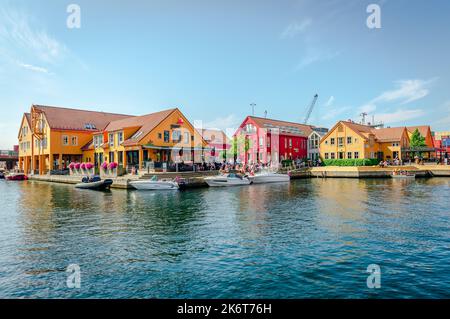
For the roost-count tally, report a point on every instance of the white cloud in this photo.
(406, 91)
(313, 56)
(295, 28)
(33, 68)
(399, 116)
(330, 101)
(336, 112)
(17, 34)
(228, 123)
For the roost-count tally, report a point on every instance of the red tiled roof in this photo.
(265, 122)
(214, 136)
(423, 129)
(144, 123)
(75, 119)
(389, 134)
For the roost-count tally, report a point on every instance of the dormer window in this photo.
(136, 135)
(90, 126)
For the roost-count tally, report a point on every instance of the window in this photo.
(290, 142)
(176, 136)
(159, 135)
(111, 157)
(74, 140)
(349, 140)
(340, 141)
(120, 137)
(285, 142)
(65, 140)
(111, 140)
(332, 156)
(186, 137)
(326, 155)
(261, 141)
(268, 142)
(332, 140)
(326, 142)
(136, 135)
(349, 155)
(394, 144)
(372, 154)
(341, 155)
(356, 154)
(120, 157)
(166, 136)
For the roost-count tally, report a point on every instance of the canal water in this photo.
(308, 239)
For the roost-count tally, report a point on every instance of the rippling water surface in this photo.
(307, 239)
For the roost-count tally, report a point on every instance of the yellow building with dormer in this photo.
(50, 138)
(349, 140)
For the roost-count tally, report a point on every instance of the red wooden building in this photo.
(263, 140)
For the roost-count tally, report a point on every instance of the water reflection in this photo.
(309, 238)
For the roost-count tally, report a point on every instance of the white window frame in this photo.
(111, 139)
(72, 139)
(65, 140)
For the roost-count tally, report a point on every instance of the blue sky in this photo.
(213, 58)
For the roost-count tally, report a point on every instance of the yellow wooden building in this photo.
(50, 138)
(162, 137)
(349, 140)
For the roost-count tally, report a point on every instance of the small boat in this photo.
(231, 179)
(269, 177)
(16, 177)
(150, 185)
(94, 183)
(403, 175)
(153, 184)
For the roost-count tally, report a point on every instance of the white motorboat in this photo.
(269, 177)
(231, 179)
(153, 185)
(404, 176)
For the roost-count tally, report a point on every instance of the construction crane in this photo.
(310, 109)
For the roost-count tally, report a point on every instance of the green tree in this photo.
(239, 144)
(417, 141)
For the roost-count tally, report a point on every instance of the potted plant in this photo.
(72, 168)
(104, 166)
(89, 168)
(113, 168)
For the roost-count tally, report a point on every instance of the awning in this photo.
(419, 149)
(169, 148)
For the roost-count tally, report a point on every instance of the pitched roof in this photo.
(423, 129)
(89, 146)
(74, 119)
(28, 117)
(292, 127)
(214, 136)
(144, 124)
(389, 134)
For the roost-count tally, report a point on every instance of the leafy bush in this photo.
(285, 163)
(351, 162)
